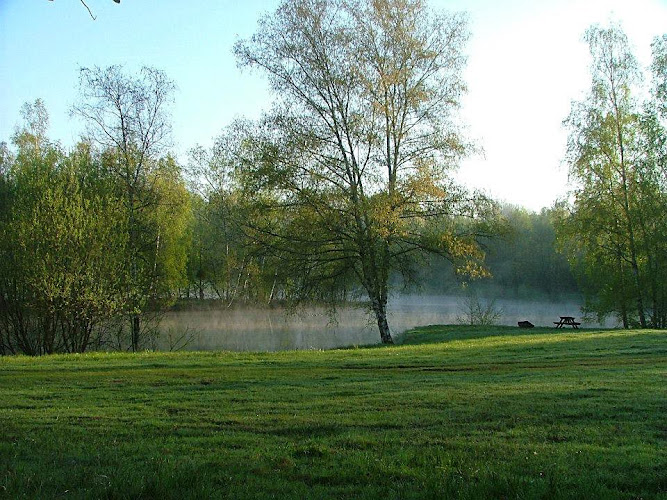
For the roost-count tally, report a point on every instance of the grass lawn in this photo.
(453, 412)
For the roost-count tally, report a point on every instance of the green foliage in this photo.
(453, 412)
(350, 173)
(170, 220)
(522, 259)
(224, 261)
(66, 253)
(62, 248)
(614, 230)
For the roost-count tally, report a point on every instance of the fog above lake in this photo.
(263, 329)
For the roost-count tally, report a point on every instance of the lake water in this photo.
(255, 329)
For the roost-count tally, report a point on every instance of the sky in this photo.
(526, 64)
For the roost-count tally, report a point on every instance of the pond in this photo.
(261, 329)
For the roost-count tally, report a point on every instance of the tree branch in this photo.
(88, 8)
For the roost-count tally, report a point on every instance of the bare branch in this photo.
(89, 11)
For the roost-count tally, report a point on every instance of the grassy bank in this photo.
(452, 412)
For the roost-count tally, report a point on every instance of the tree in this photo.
(61, 248)
(169, 221)
(128, 119)
(349, 173)
(614, 227)
(653, 141)
(223, 261)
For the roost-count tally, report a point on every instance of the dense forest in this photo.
(341, 193)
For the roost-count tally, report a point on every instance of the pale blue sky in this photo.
(526, 64)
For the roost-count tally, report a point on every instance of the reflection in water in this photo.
(255, 329)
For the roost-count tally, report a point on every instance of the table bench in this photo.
(567, 321)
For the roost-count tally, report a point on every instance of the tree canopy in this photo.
(614, 230)
(349, 172)
(127, 118)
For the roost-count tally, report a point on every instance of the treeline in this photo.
(85, 244)
(96, 241)
(225, 264)
(522, 260)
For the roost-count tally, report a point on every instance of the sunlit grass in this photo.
(451, 412)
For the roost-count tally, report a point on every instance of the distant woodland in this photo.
(341, 192)
(522, 260)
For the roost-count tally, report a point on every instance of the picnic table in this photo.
(567, 321)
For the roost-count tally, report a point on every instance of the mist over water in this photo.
(258, 329)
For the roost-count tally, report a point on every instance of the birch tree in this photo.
(615, 154)
(350, 170)
(127, 118)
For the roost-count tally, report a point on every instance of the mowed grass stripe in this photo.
(462, 412)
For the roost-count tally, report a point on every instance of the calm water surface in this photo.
(254, 329)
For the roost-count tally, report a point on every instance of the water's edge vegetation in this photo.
(466, 412)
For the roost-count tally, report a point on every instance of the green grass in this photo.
(453, 412)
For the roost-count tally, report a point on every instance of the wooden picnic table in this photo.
(567, 321)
